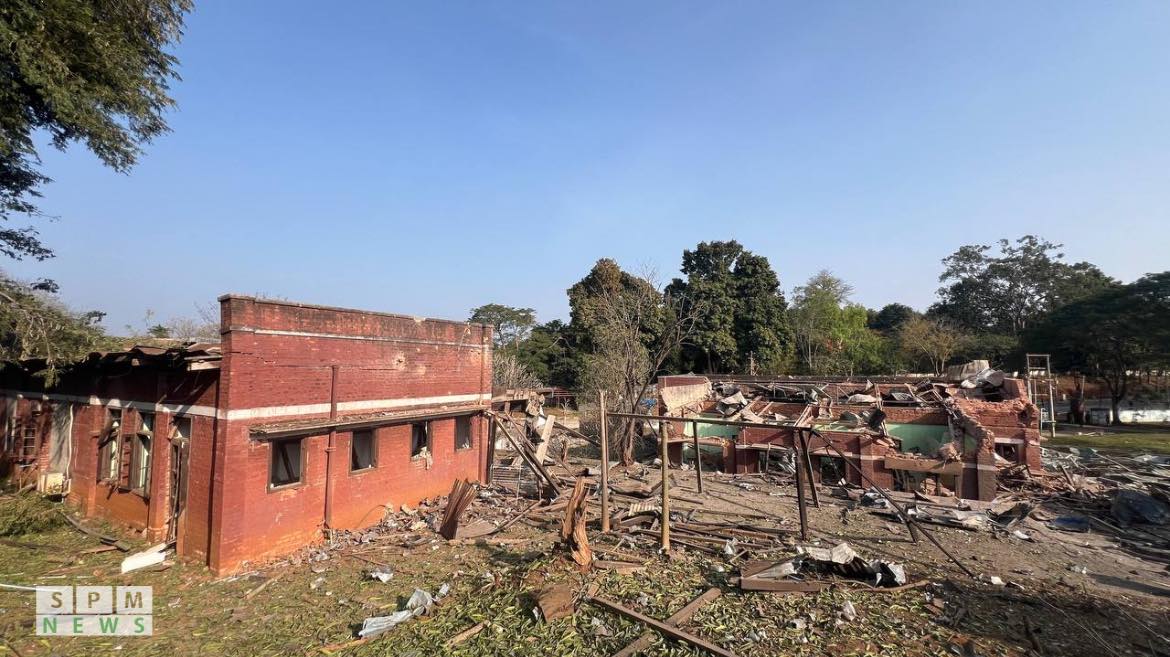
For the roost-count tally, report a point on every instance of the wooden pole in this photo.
(812, 482)
(698, 457)
(604, 464)
(665, 491)
(801, 473)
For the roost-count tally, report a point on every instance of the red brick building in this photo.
(958, 441)
(304, 418)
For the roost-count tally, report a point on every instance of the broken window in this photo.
(286, 462)
(420, 438)
(832, 469)
(1008, 451)
(140, 456)
(361, 450)
(180, 428)
(463, 432)
(110, 446)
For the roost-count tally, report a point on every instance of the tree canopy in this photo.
(745, 325)
(91, 71)
(1006, 289)
(509, 325)
(1111, 334)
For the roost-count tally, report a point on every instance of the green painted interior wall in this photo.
(923, 438)
(715, 430)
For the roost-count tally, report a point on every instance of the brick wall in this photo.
(284, 362)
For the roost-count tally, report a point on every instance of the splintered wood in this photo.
(573, 526)
(462, 495)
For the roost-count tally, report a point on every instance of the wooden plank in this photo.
(678, 618)
(662, 628)
(528, 457)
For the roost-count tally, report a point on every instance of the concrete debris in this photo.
(382, 576)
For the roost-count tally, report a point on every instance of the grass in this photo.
(1137, 443)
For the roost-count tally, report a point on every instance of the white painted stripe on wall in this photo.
(149, 407)
(260, 412)
(367, 338)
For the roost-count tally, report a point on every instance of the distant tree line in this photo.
(996, 302)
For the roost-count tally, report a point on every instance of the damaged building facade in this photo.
(302, 419)
(902, 434)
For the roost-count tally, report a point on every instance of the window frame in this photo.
(110, 448)
(373, 436)
(465, 419)
(426, 448)
(273, 446)
(139, 476)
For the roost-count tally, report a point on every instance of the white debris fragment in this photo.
(381, 575)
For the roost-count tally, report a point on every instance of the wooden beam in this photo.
(663, 628)
(678, 618)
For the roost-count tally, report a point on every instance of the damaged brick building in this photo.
(303, 418)
(902, 434)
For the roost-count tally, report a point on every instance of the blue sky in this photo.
(425, 158)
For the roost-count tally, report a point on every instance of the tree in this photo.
(90, 71)
(509, 373)
(1112, 334)
(1004, 291)
(509, 325)
(547, 353)
(629, 328)
(745, 323)
(816, 312)
(890, 318)
(34, 324)
(929, 340)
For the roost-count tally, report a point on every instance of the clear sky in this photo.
(425, 158)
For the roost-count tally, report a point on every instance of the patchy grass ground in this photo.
(311, 607)
(1137, 442)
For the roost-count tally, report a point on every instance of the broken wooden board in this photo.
(555, 602)
(662, 628)
(678, 618)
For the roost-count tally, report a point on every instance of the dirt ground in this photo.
(1065, 594)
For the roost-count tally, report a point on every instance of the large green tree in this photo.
(890, 318)
(1111, 335)
(91, 71)
(509, 325)
(1005, 289)
(745, 325)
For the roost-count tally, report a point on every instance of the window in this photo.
(180, 428)
(140, 455)
(361, 451)
(285, 468)
(420, 438)
(110, 447)
(463, 432)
